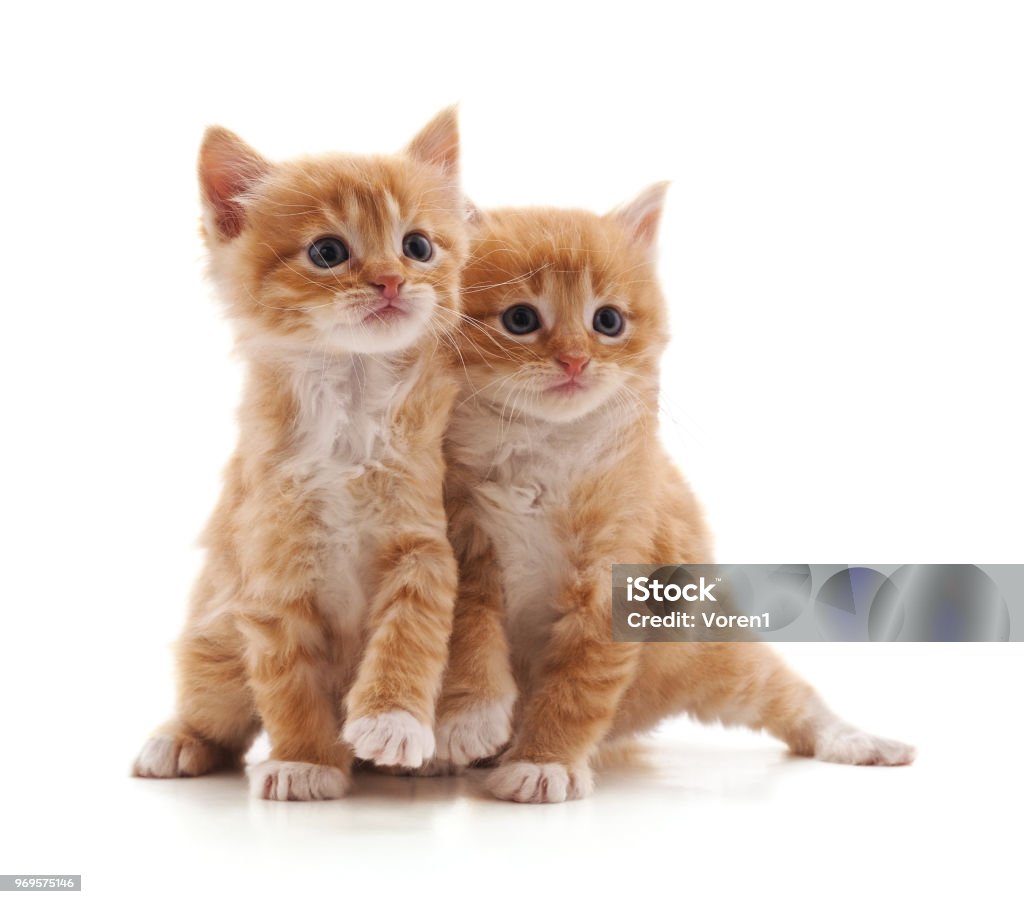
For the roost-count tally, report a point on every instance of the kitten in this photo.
(325, 605)
(555, 473)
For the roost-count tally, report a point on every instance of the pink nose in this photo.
(573, 364)
(388, 285)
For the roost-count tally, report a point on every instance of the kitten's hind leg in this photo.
(216, 719)
(746, 684)
(175, 751)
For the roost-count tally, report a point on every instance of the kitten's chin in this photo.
(379, 335)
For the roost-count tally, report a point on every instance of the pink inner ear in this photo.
(642, 215)
(646, 227)
(438, 142)
(222, 185)
(229, 217)
(228, 169)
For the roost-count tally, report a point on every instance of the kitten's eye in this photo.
(417, 246)
(609, 321)
(328, 252)
(521, 319)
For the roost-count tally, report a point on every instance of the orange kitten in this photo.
(325, 605)
(556, 473)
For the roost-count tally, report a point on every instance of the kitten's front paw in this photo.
(474, 734)
(394, 738)
(540, 783)
(841, 743)
(283, 780)
(169, 756)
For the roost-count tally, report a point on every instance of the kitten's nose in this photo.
(389, 285)
(573, 364)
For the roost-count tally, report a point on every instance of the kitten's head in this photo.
(564, 313)
(338, 252)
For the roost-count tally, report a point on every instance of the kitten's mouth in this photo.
(387, 311)
(567, 387)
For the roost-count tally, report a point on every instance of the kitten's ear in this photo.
(228, 168)
(474, 215)
(438, 143)
(640, 217)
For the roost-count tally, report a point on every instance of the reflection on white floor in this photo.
(696, 812)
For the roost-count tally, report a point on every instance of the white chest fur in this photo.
(522, 481)
(343, 428)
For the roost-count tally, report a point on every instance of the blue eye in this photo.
(609, 321)
(328, 252)
(417, 247)
(521, 319)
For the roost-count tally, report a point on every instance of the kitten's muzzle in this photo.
(386, 310)
(568, 387)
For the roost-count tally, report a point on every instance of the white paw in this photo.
(391, 739)
(842, 743)
(540, 783)
(157, 759)
(283, 780)
(165, 756)
(475, 733)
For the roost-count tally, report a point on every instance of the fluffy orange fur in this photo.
(556, 473)
(325, 605)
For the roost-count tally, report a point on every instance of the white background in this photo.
(842, 250)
